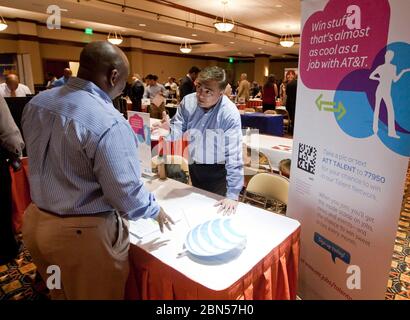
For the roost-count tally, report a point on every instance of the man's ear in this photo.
(113, 77)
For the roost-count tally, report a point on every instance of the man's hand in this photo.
(164, 219)
(227, 206)
(163, 124)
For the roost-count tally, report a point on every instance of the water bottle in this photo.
(248, 135)
(162, 173)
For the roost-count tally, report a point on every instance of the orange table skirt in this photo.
(253, 104)
(20, 191)
(274, 278)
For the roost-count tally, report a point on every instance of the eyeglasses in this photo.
(206, 92)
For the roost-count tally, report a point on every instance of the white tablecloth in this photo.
(275, 148)
(265, 231)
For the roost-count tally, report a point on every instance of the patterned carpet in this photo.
(398, 287)
(19, 280)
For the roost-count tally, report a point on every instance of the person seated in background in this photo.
(284, 168)
(67, 73)
(172, 88)
(49, 79)
(13, 88)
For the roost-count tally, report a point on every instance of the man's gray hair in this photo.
(213, 74)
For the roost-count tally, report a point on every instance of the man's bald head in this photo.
(12, 81)
(105, 65)
(67, 73)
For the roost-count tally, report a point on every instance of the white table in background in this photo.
(275, 148)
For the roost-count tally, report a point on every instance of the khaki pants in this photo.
(91, 252)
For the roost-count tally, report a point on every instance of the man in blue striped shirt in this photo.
(84, 178)
(212, 124)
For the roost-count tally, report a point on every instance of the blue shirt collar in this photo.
(78, 83)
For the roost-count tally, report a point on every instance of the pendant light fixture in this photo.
(185, 47)
(114, 38)
(3, 24)
(224, 25)
(287, 41)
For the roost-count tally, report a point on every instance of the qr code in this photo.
(307, 158)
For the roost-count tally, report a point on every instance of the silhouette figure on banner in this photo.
(386, 75)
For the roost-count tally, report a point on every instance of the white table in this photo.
(275, 148)
(265, 232)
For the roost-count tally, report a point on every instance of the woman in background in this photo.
(269, 93)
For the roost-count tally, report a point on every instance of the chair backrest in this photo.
(270, 112)
(249, 110)
(283, 112)
(260, 163)
(172, 159)
(269, 186)
(176, 167)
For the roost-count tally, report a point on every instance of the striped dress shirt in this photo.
(214, 135)
(83, 154)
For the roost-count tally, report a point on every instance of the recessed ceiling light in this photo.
(239, 52)
(262, 51)
(278, 5)
(259, 48)
(194, 35)
(73, 22)
(142, 25)
(231, 42)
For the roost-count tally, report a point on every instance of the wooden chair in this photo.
(254, 162)
(286, 119)
(270, 112)
(271, 188)
(173, 160)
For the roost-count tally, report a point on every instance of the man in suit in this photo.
(291, 89)
(244, 88)
(187, 85)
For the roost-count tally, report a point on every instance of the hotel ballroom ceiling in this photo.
(258, 23)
